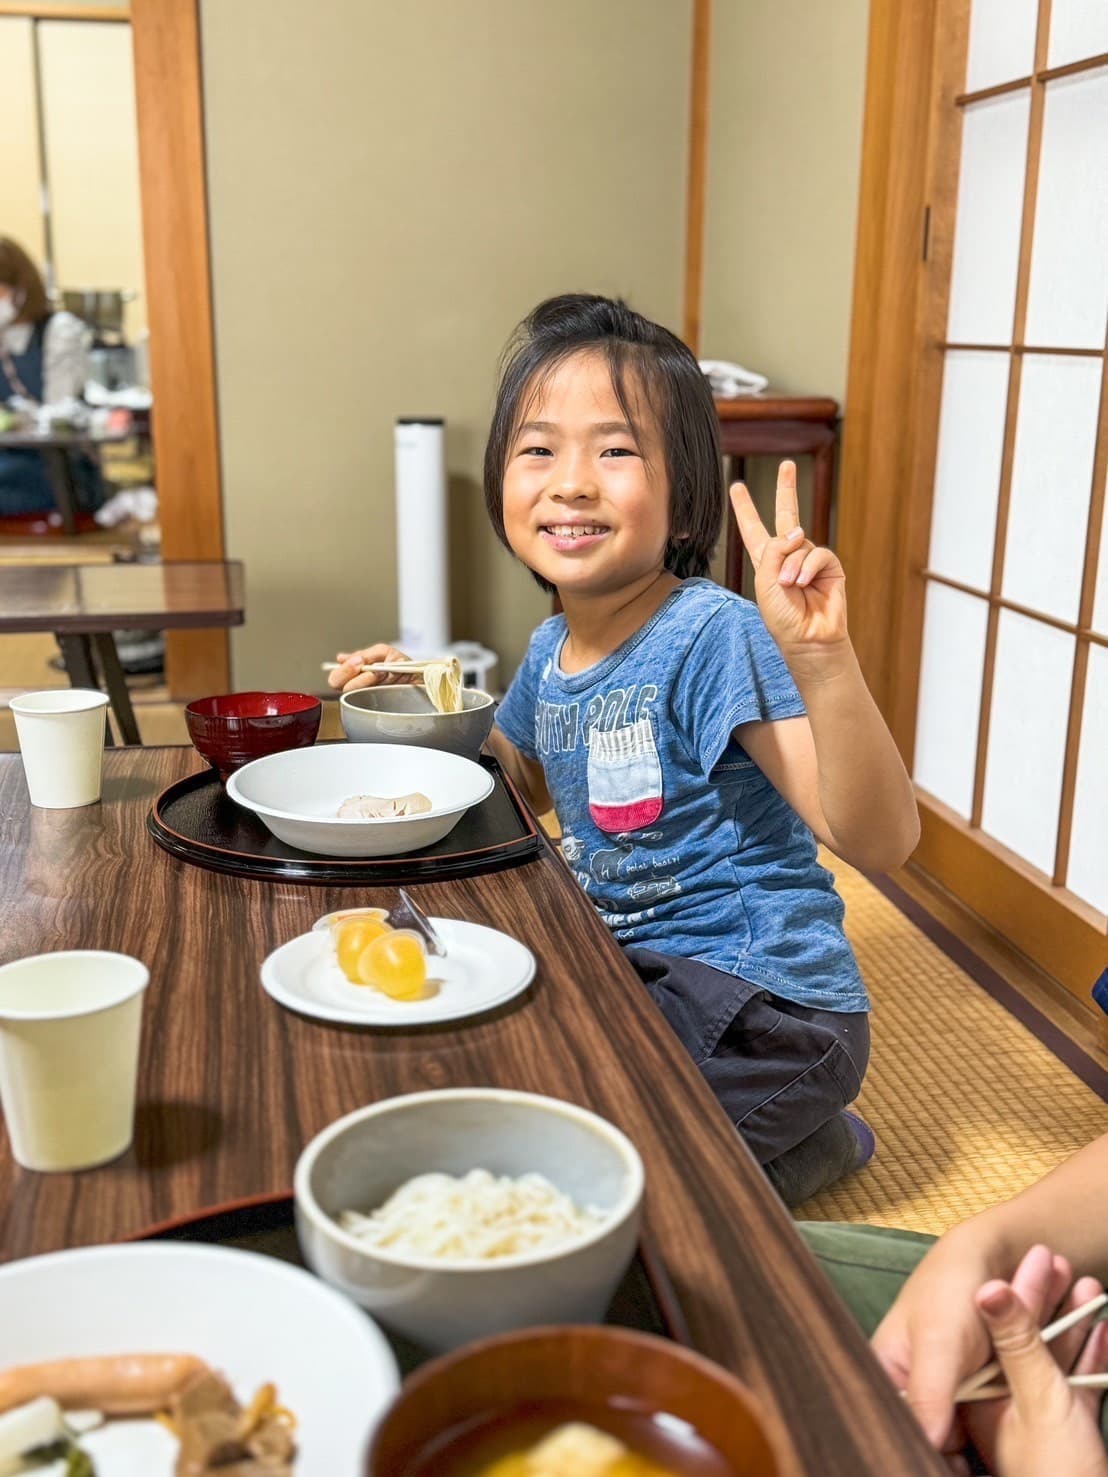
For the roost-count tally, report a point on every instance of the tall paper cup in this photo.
(61, 738)
(69, 1039)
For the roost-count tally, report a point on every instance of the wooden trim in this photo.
(1071, 69)
(875, 465)
(1083, 632)
(769, 407)
(1076, 1016)
(1041, 75)
(1024, 349)
(910, 146)
(1088, 1067)
(47, 12)
(941, 182)
(1011, 413)
(999, 89)
(1085, 620)
(698, 170)
(168, 92)
(1055, 929)
(1069, 764)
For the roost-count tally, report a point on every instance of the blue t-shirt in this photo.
(678, 838)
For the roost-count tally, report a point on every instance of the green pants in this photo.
(868, 1265)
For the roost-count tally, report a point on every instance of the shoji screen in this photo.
(1012, 715)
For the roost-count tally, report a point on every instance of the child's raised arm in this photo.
(838, 767)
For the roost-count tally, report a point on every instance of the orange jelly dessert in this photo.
(395, 962)
(351, 937)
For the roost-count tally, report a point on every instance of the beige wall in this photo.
(391, 188)
(88, 94)
(88, 108)
(784, 153)
(20, 204)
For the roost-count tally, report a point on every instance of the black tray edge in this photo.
(275, 1211)
(336, 873)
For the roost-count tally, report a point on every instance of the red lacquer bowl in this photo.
(231, 730)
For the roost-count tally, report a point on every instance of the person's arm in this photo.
(527, 773)
(838, 767)
(349, 677)
(931, 1338)
(1067, 1210)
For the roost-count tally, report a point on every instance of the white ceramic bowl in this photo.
(297, 794)
(252, 1318)
(359, 1161)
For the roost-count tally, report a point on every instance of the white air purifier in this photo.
(422, 540)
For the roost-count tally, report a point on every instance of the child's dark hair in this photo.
(657, 365)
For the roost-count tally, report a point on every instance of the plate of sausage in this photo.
(176, 1360)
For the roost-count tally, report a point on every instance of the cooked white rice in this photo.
(477, 1217)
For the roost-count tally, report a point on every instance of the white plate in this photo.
(483, 968)
(252, 1318)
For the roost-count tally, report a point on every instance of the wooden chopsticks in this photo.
(381, 666)
(978, 1387)
(1002, 1392)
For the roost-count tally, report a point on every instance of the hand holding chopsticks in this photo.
(978, 1386)
(370, 665)
(1044, 1419)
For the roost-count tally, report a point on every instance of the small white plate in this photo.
(250, 1317)
(483, 968)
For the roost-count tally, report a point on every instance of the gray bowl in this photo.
(402, 713)
(359, 1161)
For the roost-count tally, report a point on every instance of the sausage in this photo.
(117, 1384)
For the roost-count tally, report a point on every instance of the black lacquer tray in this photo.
(644, 1300)
(196, 822)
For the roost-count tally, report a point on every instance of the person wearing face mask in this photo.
(43, 360)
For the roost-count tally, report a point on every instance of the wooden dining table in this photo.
(232, 1086)
(83, 605)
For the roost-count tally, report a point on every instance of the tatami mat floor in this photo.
(968, 1105)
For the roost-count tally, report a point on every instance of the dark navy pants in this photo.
(782, 1072)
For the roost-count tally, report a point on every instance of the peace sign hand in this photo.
(800, 589)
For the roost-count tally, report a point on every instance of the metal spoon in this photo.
(422, 924)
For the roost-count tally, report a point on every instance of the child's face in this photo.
(586, 503)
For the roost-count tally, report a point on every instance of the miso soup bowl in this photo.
(583, 1373)
(238, 727)
(358, 1162)
(402, 713)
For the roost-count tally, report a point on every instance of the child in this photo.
(694, 745)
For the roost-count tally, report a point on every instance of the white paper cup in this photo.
(61, 738)
(69, 1039)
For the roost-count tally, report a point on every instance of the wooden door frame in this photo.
(173, 181)
(906, 215)
(696, 181)
(169, 105)
(878, 507)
